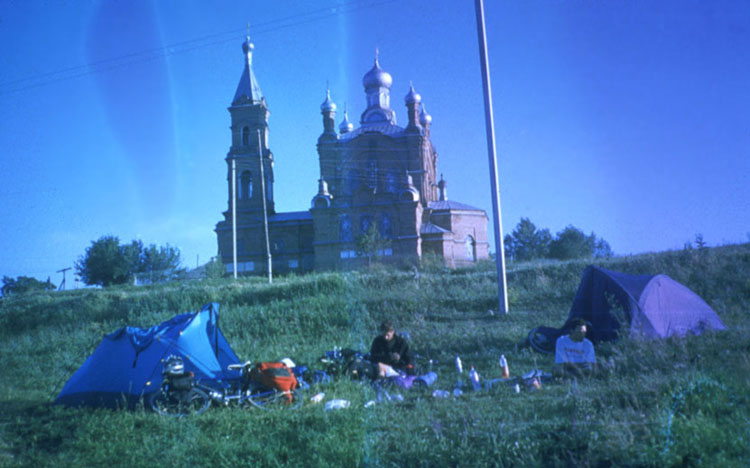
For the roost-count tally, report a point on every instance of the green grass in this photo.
(675, 402)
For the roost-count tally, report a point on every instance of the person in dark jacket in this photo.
(390, 352)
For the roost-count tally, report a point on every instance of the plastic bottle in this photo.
(504, 365)
(474, 376)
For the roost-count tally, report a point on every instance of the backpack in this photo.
(274, 375)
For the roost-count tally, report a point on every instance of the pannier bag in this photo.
(274, 375)
(182, 382)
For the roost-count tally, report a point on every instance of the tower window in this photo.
(245, 136)
(246, 185)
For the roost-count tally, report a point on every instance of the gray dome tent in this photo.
(650, 306)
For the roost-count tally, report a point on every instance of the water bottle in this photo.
(504, 365)
(474, 376)
(460, 370)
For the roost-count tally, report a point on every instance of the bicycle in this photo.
(178, 394)
(251, 391)
(181, 395)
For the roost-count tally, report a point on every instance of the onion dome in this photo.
(328, 105)
(412, 97)
(346, 126)
(376, 77)
(424, 117)
(247, 46)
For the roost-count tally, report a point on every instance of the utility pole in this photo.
(234, 217)
(490, 125)
(265, 212)
(62, 285)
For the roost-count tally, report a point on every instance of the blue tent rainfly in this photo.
(127, 364)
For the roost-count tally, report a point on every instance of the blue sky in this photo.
(622, 117)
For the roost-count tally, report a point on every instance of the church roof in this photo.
(290, 216)
(384, 128)
(429, 228)
(450, 205)
(249, 89)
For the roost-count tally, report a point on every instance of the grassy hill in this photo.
(675, 402)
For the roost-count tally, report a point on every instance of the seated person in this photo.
(574, 354)
(390, 352)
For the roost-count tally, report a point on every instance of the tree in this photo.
(157, 264)
(106, 262)
(24, 284)
(526, 242)
(371, 243)
(572, 243)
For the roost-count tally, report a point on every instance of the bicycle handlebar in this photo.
(239, 366)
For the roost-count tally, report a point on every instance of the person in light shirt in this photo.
(574, 354)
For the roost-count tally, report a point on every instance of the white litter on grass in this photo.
(318, 397)
(370, 404)
(337, 404)
(441, 394)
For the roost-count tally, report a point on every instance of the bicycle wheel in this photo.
(197, 402)
(172, 404)
(540, 342)
(164, 403)
(272, 399)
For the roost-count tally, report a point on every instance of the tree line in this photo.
(527, 242)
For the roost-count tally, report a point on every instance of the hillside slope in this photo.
(671, 402)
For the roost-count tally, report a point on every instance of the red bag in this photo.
(275, 375)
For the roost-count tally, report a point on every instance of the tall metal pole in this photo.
(490, 125)
(234, 218)
(265, 212)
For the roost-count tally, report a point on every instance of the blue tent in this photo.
(127, 364)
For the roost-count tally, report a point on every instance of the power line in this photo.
(181, 47)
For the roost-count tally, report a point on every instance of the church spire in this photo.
(248, 90)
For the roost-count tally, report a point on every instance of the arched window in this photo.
(390, 182)
(364, 223)
(372, 172)
(386, 227)
(471, 250)
(246, 185)
(352, 181)
(269, 188)
(245, 136)
(345, 228)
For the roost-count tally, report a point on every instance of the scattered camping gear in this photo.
(347, 362)
(614, 303)
(127, 364)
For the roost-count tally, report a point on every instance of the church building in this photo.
(378, 174)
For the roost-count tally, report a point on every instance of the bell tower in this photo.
(249, 149)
